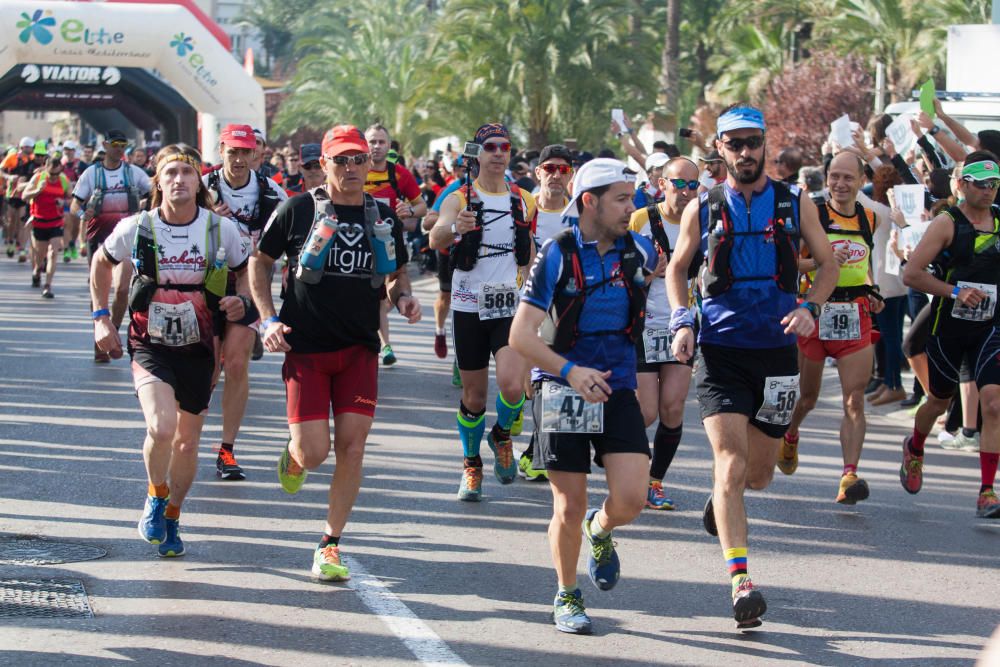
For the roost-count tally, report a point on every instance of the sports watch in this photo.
(813, 308)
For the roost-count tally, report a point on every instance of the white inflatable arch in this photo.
(166, 37)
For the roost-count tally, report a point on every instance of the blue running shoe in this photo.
(602, 563)
(172, 546)
(569, 614)
(504, 464)
(152, 525)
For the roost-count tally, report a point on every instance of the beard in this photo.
(742, 176)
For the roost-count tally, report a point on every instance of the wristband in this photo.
(271, 320)
(567, 367)
(681, 318)
(813, 308)
(934, 130)
(954, 292)
(101, 313)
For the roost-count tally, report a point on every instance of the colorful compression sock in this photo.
(736, 561)
(159, 490)
(172, 511)
(988, 469)
(507, 412)
(470, 429)
(665, 444)
(917, 442)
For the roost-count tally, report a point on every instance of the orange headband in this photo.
(194, 162)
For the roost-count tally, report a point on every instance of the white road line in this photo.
(416, 635)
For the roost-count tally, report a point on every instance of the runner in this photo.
(489, 219)
(249, 199)
(845, 324)
(17, 168)
(181, 250)
(393, 185)
(47, 192)
(73, 167)
(748, 374)
(328, 326)
(106, 192)
(584, 376)
(964, 245)
(662, 380)
(313, 175)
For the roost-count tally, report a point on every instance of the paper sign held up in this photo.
(910, 202)
(840, 132)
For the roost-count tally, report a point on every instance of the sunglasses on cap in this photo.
(737, 145)
(679, 183)
(498, 147)
(312, 166)
(991, 184)
(118, 144)
(550, 168)
(342, 160)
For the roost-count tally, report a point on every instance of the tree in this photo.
(278, 22)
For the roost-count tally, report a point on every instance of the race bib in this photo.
(565, 411)
(981, 313)
(656, 345)
(780, 394)
(840, 321)
(173, 324)
(497, 300)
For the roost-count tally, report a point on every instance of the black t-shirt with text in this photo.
(343, 309)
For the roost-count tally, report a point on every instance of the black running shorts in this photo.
(476, 339)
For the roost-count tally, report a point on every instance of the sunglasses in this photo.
(553, 168)
(991, 184)
(679, 183)
(737, 145)
(342, 160)
(118, 144)
(312, 166)
(499, 147)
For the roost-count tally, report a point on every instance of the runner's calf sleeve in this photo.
(665, 443)
(507, 412)
(470, 429)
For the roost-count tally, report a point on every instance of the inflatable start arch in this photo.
(166, 37)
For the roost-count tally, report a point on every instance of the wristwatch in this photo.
(934, 130)
(813, 308)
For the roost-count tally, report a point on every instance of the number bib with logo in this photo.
(497, 300)
(565, 411)
(840, 321)
(981, 313)
(173, 324)
(656, 345)
(780, 394)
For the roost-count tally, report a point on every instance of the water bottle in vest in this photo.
(220, 258)
(313, 258)
(385, 248)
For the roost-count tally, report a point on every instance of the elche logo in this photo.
(109, 76)
(855, 251)
(41, 26)
(186, 49)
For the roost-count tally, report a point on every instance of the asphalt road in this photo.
(897, 580)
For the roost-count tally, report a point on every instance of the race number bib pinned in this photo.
(173, 324)
(497, 300)
(565, 411)
(656, 345)
(780, 394)
(981, 313)
(840, 321)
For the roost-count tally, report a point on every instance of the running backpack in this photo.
(465, 254)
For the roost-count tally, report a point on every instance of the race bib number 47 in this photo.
(565, 411)
(173, 324)
(780, 394)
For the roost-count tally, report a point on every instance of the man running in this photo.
(845, 324)
(964, 245)
(181, 251)
(587, 291)
(662, 380)
(249, 199)
(17, 168)
(490, 219)
(748, 230)
(328, 326)
(393, 185)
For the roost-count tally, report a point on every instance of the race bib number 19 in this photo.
(497, 300)
(565, 411)
(173, 324)
(840, 321)
(981, 313)
(780, 394)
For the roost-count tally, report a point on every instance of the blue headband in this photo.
(740, 118)
(490, 130)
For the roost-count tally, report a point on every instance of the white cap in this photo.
(595, 174)
(26, 141)
(70, 145)
(655, 160)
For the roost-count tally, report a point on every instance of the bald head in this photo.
(848, 160)
(844, 179)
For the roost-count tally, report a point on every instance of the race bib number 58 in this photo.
(780, 394)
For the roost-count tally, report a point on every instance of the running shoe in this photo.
(504, 465)
(525, 469)
(172, 546)
(47, 293)
(852, 490)
(788, 457)
(602, 562)
(456, 377)
(471, 489)
(966, 443)
(327, 565)
(708, 518)
(988, 505)
(911, 473)
(83, 251)
(440, 346)
(36, 280)
(226, 466)
(569, 614)
(290, 483)
(74, 252)
(388, 356)
(518, 425)
(656, 499)
(152, 525)
(10, 249)
(748, 605)
(22, 256)
(947, 440)
(66, 256)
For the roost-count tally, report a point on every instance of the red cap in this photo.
(238, 136)
(342, 138)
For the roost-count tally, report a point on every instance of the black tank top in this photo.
(975, 258)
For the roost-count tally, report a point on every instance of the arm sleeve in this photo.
(118, 246)
(928, 148)
(275, 237)
(544, 275)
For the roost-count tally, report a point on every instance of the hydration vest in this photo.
(267, 199)
(561, 328)
(101, 188)
(465, 253)
(961, 260)
(863, 222)
(662, 240)
(717, 274)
